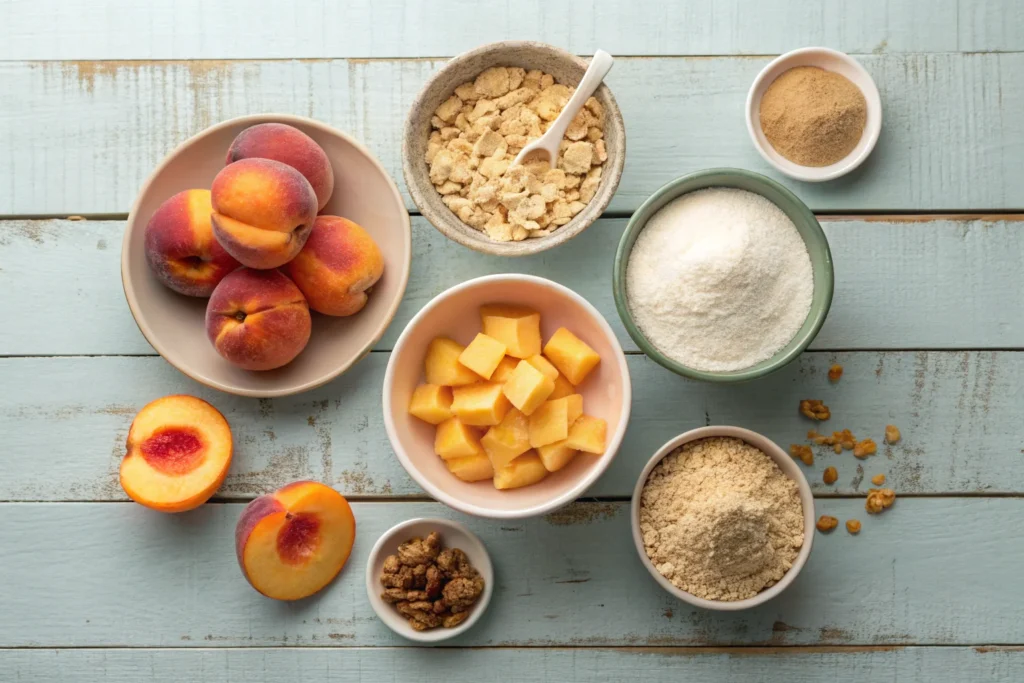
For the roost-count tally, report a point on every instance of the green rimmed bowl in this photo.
(806, 224)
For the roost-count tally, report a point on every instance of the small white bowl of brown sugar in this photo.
(723, 518)
(469, 123)
(814, 114)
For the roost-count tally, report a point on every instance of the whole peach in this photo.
(289, 145)
(180, 247)
(339, 263)
(263, 211)
(258, 319)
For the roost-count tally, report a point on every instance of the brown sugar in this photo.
(813, 117)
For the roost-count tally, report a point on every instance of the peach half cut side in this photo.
(179, 452)
(293, 542)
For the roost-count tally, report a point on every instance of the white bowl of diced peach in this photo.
(507, 396)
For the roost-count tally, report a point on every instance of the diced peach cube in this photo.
(563, 388)
(527, 387)
(481, 405)
(516, 327)
(544, 365)
(454, 439)
(550, 422)
(556, 455)
(471, 468)
(504, 369)
(508, 440)
(483, 355)
(587, 434)
(443, 366)
(575, 404)
(431, 403)
(525, 470)
(571, 355)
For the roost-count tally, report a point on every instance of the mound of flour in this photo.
(719, 279)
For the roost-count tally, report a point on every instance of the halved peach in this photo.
(293, 542)
(179, 451)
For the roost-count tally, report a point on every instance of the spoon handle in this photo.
(599, 67)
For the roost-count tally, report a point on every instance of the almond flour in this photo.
(720, 520)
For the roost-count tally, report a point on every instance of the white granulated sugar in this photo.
(719, 279)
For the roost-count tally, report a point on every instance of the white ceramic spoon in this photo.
(599, 67)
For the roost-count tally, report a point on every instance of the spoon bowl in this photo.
(548, 143)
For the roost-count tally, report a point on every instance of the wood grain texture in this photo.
(189, 29)
(959, 414)
(897, 282)
(594, 665)
(928, 571)
(681, 115)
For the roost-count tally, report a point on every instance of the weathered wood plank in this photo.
(594, 665)
(959, 414)
(946, 142)
(900, 283)
(173, 29)
(91, 575)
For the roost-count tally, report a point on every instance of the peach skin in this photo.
(179, 451)
(263, 211)
(180, 247)
(337, 267)
(258, 319)
(289, 145)
(293, 542)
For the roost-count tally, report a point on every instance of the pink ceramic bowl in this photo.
(607, 392)
(174, 324)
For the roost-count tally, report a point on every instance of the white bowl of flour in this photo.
(723, 275)
(722, 518)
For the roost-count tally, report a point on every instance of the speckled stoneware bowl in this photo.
(806, 224)
(565, 68)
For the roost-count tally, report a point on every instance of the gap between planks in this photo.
(675, 650)
(888, 216)
(597, 500)
(916, 349)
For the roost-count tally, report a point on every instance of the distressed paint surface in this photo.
(959, 414)
(130, 114)
(941, 568)
(190, 29)
(114, 575)
(896, 281)
(593, 665)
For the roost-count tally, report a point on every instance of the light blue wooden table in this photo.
(928, 320)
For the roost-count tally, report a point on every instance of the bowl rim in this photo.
(818, 174)
(639, 220)
(595, 207)
(598, 468)
(486, 569)
(788, 467)
(167, 354)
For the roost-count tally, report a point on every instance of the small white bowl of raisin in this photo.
(429, 579)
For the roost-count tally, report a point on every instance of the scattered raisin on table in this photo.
(814, 409)
(853, 526)
(827, 523)
(878, 500)
(892, 434)
(863, 449)
(835, 372)
(830, 475)
(803, 453)
(878, 479)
